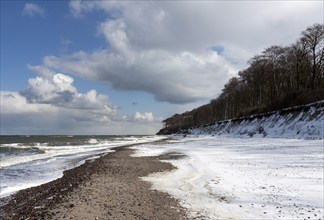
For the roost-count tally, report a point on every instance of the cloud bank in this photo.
(167, 48)
(52, 105)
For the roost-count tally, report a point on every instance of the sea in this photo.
(27, 161)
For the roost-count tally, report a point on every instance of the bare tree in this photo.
(313, 38)
(277, 78)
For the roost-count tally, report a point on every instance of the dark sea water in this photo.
(27, 161)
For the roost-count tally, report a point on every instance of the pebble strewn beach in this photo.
(105, 188)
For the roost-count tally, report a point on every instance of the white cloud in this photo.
(41, 71)
(52, 105)
(143, 117)
(19, 116)
(197, 25)
(15, 103)
(32, 9)
(59, 91)
(163, 47)
(78, 8)
(173, 77)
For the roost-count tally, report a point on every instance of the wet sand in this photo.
(105, 188)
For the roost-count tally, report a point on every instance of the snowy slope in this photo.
(297, 122)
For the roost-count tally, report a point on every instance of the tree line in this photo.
(279, 77)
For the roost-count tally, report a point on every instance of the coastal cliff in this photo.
(305, 121)
(279, 94)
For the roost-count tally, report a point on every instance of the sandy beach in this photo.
(105, 188)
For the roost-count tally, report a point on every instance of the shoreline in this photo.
(108, 187)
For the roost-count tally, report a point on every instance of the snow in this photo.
(243, 178)
(307, 123)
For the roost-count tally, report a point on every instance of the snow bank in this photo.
(250, 178)
(298, 122)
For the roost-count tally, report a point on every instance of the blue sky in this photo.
(26, 39)
(107, 67)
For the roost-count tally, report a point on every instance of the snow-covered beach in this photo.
(243, 178)
(216, 177)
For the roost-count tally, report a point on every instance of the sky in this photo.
(121, 67)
